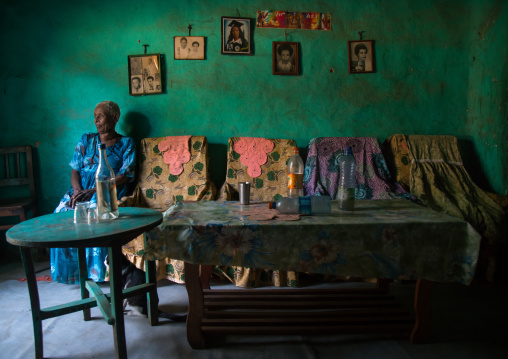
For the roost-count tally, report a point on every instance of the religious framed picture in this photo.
(145, 74)
(361, 56)
(189, 47)
(285, 58)
(236, 36)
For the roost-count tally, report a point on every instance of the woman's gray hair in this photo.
(111, 108)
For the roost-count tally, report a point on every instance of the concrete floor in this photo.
(468, 322)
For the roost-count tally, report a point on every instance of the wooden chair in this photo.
(158, 189)
(268, 186)
(17, 172)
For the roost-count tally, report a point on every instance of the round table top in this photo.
(58, 230)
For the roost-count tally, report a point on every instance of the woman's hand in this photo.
(81, 196)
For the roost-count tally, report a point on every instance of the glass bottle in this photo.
(303, 205)
(107, 205)
(295, 175)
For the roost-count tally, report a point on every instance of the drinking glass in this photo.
(92, 216)
(81, 212)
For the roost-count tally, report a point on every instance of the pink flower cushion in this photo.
(253, 152)
(176, 152)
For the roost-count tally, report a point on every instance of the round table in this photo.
(58, 230)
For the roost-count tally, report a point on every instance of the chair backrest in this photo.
(271, 184)
(373, 180)
(17, 169)
(160, 188)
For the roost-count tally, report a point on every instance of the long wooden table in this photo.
(58, 230)
(387, 239)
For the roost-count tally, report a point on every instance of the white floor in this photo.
(468, 322)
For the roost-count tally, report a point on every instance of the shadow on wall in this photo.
(135, 125)
(217, 163)
(472, 164)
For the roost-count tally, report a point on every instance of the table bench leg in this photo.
(83, 276)
(195, 336)
(421, 329)
(116, 286)
(33, 293)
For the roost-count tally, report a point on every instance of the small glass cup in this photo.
(81, 212)
(92, 216)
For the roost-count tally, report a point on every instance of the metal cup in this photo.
(244, 189)
(81, 212)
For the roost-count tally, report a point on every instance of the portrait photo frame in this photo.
(285, 58)
(145, 74)
(189, 47)
(361, 56)
(236, 36)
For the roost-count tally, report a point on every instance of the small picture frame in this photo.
(361, 56)
(236, 36)
(145, 74)
(285, 58)
(189, 47)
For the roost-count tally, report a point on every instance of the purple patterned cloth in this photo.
(373, 180)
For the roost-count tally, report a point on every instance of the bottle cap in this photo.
(296, 150)
(272, 205)
(101, 146)
(349, 150)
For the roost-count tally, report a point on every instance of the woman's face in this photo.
(284, 54)
(104, 123)
(362, 54)
(236, 32)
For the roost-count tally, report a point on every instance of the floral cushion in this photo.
(158, 189)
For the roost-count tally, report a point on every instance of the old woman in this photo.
(120, 151)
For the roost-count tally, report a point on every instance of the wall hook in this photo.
(190, 28)
(360, 34)
(146, 47)
(238, 13)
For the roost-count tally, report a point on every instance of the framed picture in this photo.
(285, 58)
(145, 74)
(361, 56)
(236, 36)
(189, 47)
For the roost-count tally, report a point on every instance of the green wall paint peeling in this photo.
(441, 69)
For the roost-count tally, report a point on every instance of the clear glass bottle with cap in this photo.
(295, 174)
(310, 205)
(107, 204)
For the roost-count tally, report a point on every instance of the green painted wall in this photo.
(441, 69)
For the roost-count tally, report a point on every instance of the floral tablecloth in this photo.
(381, 239)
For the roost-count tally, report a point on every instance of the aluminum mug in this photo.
(244, 190)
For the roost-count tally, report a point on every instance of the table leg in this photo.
(153, 299)
(83, 276)
(33, 293)
(195, 336)
(421, 329)
(205, 272)
(115, 283)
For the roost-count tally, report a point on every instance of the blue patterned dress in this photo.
(121, 157)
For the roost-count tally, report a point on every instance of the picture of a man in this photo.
(136, 84)
(150, 87)
(183, 51)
